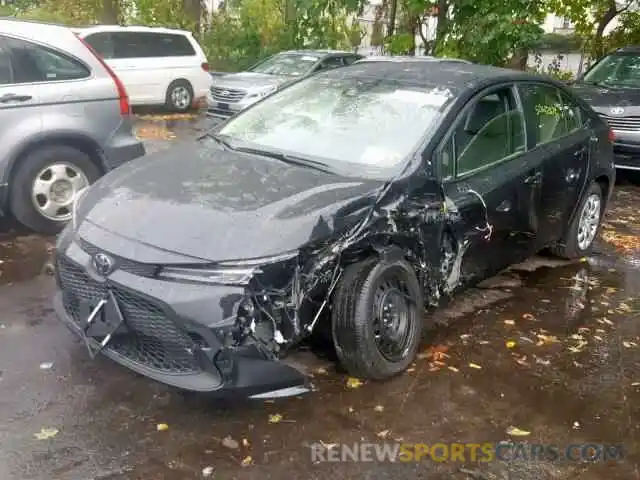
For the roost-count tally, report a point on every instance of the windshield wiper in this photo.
(290, 159)
(218, 139)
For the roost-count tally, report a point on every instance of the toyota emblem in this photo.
(225, 93)
(103, 264)
(617, 110)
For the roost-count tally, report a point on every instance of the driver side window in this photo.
(489, 131)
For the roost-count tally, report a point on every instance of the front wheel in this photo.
(179, 96)
(46, 182)
(377, 318)
(584, 227)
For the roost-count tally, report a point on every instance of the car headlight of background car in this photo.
(262, 93)
(224, 273)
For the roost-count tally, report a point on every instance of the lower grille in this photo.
(153, 340)
(627, 124)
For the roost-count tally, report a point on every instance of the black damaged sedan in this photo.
(348, 203)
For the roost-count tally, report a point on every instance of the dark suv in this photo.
(612, 88)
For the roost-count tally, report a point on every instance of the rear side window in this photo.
(33, 63)
(5, 65)
(148, 45)
(552, 113)
(101, 43)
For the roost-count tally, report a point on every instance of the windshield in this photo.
(618, 71)
(361, 126)
(290, 65)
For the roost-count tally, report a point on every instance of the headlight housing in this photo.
(263, 93)
(238, 273)
(74, 206)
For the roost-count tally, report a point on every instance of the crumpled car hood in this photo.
(198, 200)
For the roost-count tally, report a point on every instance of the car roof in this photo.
(128, 28)
(397, 58)
(629, 49)
(454, 75)
(319, 53)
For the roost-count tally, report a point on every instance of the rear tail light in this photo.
(125, 106)
(612, 136)
(205, 67)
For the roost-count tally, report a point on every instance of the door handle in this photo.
(580, 152)
(534, 179)
(504, 207)
(12, 97)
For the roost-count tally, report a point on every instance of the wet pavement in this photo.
(550, 348)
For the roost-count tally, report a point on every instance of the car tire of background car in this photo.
(74, 170)
(366, 291)
(585, 222)
(179, 96)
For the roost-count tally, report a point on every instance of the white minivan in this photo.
(158, 66)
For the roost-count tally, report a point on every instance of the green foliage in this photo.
(626, 33)
(399, 44)
(492, 31)
(560, 43)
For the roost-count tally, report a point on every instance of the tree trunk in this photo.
(193, 9)
(441, 26)
(393, 11)
(110, 14)
(609, 15)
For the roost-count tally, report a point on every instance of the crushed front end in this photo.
(184, 327)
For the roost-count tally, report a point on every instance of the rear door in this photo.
(557, 135)
(485, 165)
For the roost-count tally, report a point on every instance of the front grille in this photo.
(227, 95)
(152, 340)
(627, 124)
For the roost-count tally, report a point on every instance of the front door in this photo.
(556, 135)
(489, 186)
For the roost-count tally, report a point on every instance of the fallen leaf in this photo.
(46, 433)
(600, 339)
(161, 427)
(378, 408)
(476, 366)
(230, 443)
(517, 432)
(635, 384)
(354, 382)
(575, 336)
(577, 348)
(207, 471)
(328, 446)
(383, 434)
(629, 344)
(246, 461)
(245, 443)
(46, 365)
(510, 344)
(409, 370)
(542, 361)
(275, 418)
(350, 410)
(528, 316)
(545, 339)
(483, 342)
(522, 361)
(453, 369)
(509, 322)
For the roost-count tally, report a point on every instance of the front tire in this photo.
(584, 227)
(45, 183)
(377, 318)
(179, 97)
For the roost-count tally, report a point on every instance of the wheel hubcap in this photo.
(54, 189)
(589, 221)
(181, 97)
(392, 320)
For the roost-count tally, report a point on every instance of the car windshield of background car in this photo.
(616, 71)
(366, 125)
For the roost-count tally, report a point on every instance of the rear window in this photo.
(140, 44)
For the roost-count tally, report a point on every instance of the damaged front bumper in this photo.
(175, 333)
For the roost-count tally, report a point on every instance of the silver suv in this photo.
(65, 120)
